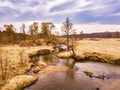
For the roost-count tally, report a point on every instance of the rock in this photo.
(19, 82)
(90, 74)
(36, 69)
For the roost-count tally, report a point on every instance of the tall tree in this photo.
(67, 29)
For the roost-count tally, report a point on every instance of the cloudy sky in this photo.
(81, 12)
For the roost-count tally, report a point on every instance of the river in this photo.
(75, 78)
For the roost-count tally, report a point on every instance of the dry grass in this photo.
(14, 66)
(19, 82)
(108, 49)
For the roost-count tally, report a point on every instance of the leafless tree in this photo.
(67, 29)
(23, 31)
(46, 29)
(10, 31)
(81, 35)
(33, 30)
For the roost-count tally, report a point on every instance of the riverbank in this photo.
(102, 50)
(17, 61)
(19, 82)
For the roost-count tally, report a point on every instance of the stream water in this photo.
(76, 79)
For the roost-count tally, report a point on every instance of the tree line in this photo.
(9, 35)
(35, 32)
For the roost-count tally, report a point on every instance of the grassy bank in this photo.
(19, 82)
(103, 50)
(17, 60)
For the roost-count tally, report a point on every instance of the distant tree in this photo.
(10, 31)
(67, 29)
(57, 33)
(117, 34)
(81, 34)
(33, 30)
(51, 26)
(46, 29)
(23, 31)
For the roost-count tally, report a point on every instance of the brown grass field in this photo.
(106, 49)
(14, 66)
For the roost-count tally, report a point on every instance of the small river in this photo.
(75, 78)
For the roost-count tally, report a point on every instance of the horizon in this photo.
(86, 28)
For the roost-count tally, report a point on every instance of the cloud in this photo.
(81, 11)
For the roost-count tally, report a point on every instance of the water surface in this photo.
(76, 79)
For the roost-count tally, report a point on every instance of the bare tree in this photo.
(82, 35)
(67, 29)
(46, 29)
(33, 30)
(10, 31)
(23, 31)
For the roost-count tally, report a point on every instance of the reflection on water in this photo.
(76, 79)
(62, 81)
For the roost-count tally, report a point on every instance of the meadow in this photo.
(106, 50)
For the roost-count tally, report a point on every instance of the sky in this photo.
(86, 15)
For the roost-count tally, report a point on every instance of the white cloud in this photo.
(43, 8)
(6, 4)
(115, 14)
(98, 7)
